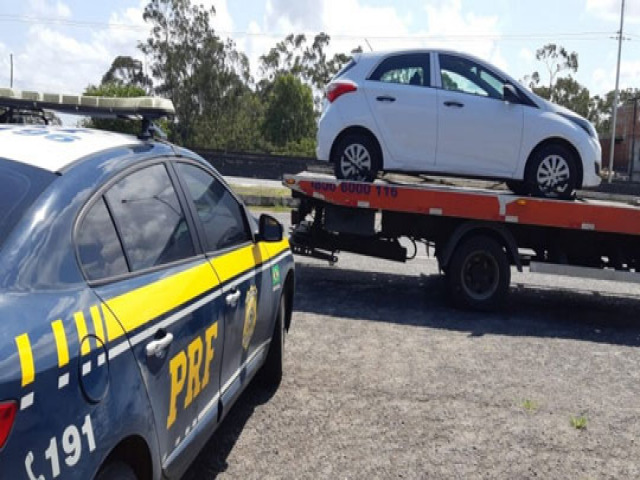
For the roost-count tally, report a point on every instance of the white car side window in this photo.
(463, 75)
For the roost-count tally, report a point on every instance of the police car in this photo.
(138, 297)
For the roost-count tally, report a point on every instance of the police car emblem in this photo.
(250, 316)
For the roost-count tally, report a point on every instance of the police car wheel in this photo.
(116, 471)
(271, 373)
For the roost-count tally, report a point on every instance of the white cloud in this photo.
(466, 32)
(354, 24)
(221, 21)
(54, 61)
(47, 8)
(59, 58)
(604, 80)
(609, 10)
(300, 15)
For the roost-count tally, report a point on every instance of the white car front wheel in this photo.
(552, 173)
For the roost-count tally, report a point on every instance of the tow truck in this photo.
(477, 235)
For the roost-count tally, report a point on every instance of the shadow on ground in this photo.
(212, 460)
(422, 301)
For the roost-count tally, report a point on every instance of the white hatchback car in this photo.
(444, 112)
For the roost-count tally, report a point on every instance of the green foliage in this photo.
(556, 59)
(566, 91)
(570, 94)
(579, 423)
(530, 406)
(601, 108)
(127, 71)
(289, 115)
(305, 147)
(130, 127)
(309, 63)
(205, 77)
(217, 103)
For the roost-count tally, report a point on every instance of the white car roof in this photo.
(53, 148)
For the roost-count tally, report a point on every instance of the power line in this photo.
(589, 35)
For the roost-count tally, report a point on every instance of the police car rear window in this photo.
(20, 185)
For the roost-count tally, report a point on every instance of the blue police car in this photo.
(138, 298)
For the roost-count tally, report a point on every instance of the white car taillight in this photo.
(337, 89)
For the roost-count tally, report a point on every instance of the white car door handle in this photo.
(232, 298)
(453, 104)
(156, 347)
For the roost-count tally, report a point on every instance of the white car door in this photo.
(478, 132)
(404, 106)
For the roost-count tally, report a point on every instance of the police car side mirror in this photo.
(270, 229)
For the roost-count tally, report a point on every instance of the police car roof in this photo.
(54, 148)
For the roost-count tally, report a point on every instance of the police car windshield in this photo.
(20, 185)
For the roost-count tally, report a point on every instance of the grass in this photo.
(579, 423)
(262, 191)
(530, 406)
(273, 209)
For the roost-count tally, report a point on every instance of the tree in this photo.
(289, 112)
(309, 63)
(556, 59)
(570, 94)
(126, 70)
(205, 77)
(602, 108)
(114, 90)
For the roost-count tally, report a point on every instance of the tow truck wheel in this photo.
(271, 373)
(479, 274)
(356, 158)
(552, 173)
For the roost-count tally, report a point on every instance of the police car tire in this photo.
(271, 373)
(116, 471)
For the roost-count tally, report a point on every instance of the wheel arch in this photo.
(358, 130)
(564, 143)
(135, 452)
(289, 292)
(467, 230)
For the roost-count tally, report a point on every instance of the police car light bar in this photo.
(146, 107)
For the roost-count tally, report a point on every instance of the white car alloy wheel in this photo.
(553, 174)
(355, 162)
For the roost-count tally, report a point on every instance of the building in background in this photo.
(626, 160)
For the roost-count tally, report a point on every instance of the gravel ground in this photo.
(384, 379)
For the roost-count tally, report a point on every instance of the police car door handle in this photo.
(232, 298)
(156, 347)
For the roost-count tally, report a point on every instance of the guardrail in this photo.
(258, 165)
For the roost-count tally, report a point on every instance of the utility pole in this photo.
(11, 61)
(633, 138)
(617, 96)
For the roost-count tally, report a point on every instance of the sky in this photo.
(65, 45)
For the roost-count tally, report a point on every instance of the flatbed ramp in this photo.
(477, 234)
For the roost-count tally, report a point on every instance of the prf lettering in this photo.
(186, 368)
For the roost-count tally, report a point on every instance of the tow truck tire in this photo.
(116, 471)
(479, 274)
(551, 173)
(271, 373)
(356, 157)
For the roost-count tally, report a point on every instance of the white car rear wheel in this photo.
(356, 158)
